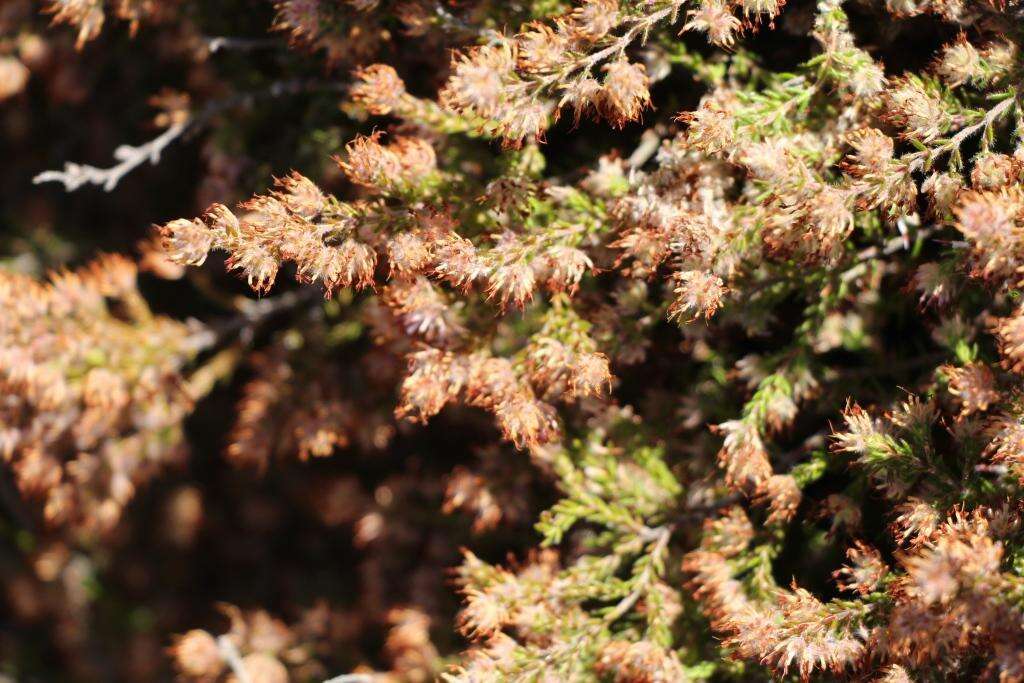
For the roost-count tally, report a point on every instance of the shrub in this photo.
(613, 340)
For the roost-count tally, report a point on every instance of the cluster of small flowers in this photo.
(784, 213)
(257, 647)
(947, 598)
(516, 84)
(94, 391)
(437, 378)
(337, 243)
(537, 597)
(297, 222)
(271, 423)
(348, 32)
(88, 16)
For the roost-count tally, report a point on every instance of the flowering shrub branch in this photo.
(734, 395)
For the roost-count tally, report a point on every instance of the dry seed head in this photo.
(378, 88)
(959, 63)
(187, 242)
(541, 48)
(624, 94)
(698, 293)
(974, 385)
(715, 18)
(478, 81)
(593, 19)
(782, 495)
(919, 114)
(993, 171)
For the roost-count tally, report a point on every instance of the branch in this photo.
(234, 660)
(688, 514)
(217, 43)
(252, 313)
(661, 537)
(957, 140)
(650, 141)
(75, 175)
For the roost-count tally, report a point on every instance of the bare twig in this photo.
(234, 660)
(688, 513)
(218, 43)
(252, 313)
(650, 141)
(74, 176)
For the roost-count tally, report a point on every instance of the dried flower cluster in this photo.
(94, 395)
(602, 340)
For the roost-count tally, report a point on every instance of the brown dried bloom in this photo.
(993, 171)
(698, 294)
(781, 494)
(590, 375)
(378, 88)
(295, 222)
(624, 93)
(187, 242)
(743, 455)
(513, 284)
(477, 85)
(959, 63)
(715, 18)
(973, 385)
(196, 655)
(87, 15)
(403, 161)
(435, 378)
(990, 222)
(796, 630)
(642, 662)
(300, 18)
(918, 113)
(471, 492)
(593, 19)
(865, 571)
(541, 48)
(527, 422)
(1010, 336)
(1007, 443)
(84, 355)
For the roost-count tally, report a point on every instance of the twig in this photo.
(130, 157)
(252, 313)
(75, 175)
(449, 22)
(650, 141)
(954, 143)
(218, 43)
(708, 508)
(234, 660)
